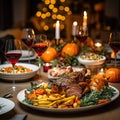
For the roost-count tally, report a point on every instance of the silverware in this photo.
(8, 95)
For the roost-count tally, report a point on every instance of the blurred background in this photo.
(41, 15)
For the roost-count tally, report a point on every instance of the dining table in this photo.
(109, 111)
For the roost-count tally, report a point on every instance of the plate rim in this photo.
(7, 102)
(66, 110)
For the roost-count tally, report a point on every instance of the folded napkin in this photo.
(19, 117)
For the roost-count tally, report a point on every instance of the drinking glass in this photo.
(39, 46)
(12, 54)
(82, 34)
(28, 37)
(114, 43)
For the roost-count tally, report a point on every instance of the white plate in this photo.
(19, 76)
(92, 62)
(21, 97)
(6, 104)
(52, 77)
(26, 56)
(25, 53)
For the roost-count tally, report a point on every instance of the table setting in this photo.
(66, 78)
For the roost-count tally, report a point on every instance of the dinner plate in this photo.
(21, 97)
(19, 76)
(25, 53)
(26, 56)
(6, 105)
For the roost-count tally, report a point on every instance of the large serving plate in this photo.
(92, 62)
(6, 105)
(19, 76)
(21, 97)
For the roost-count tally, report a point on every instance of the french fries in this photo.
(54, 100)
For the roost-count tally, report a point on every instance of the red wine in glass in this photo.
(115, 46)
(28, 37)
(81, 38)
(13, 57)
(13, 52)
(114, 43)
(82, 34)
(28, 42)
(40, 48)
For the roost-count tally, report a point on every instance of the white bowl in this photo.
(92, 62)
(19, 76)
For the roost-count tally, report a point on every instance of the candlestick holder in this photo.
(46, 67)
(57, 42)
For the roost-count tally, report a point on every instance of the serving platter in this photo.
(21, 97)
(59, 72)
(19, 76)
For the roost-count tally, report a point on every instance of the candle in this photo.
(101, 72)
(46, 67)
(98, 46)
(57, 30)
(85, 19)
(74, 28)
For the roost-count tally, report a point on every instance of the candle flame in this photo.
(85, 13)
(75, 23)
(98, 44)
(58, 22)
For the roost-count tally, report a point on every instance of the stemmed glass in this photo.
(40, 45)
(13, 53)
(114, 43)
(82, 34)
(28, 37)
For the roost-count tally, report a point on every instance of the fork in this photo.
(8, 94)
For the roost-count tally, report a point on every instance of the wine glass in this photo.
(82, 34)
(28, 37)
(40, 45)
(114, 43)
(13, 53)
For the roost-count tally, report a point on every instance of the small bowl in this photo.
(92, 62)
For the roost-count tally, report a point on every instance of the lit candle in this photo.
(57, 30)
(85, 19)
(74, 28)
(46, 67)
(98, 46)
(101, 72)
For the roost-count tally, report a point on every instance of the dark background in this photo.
(13, 11)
